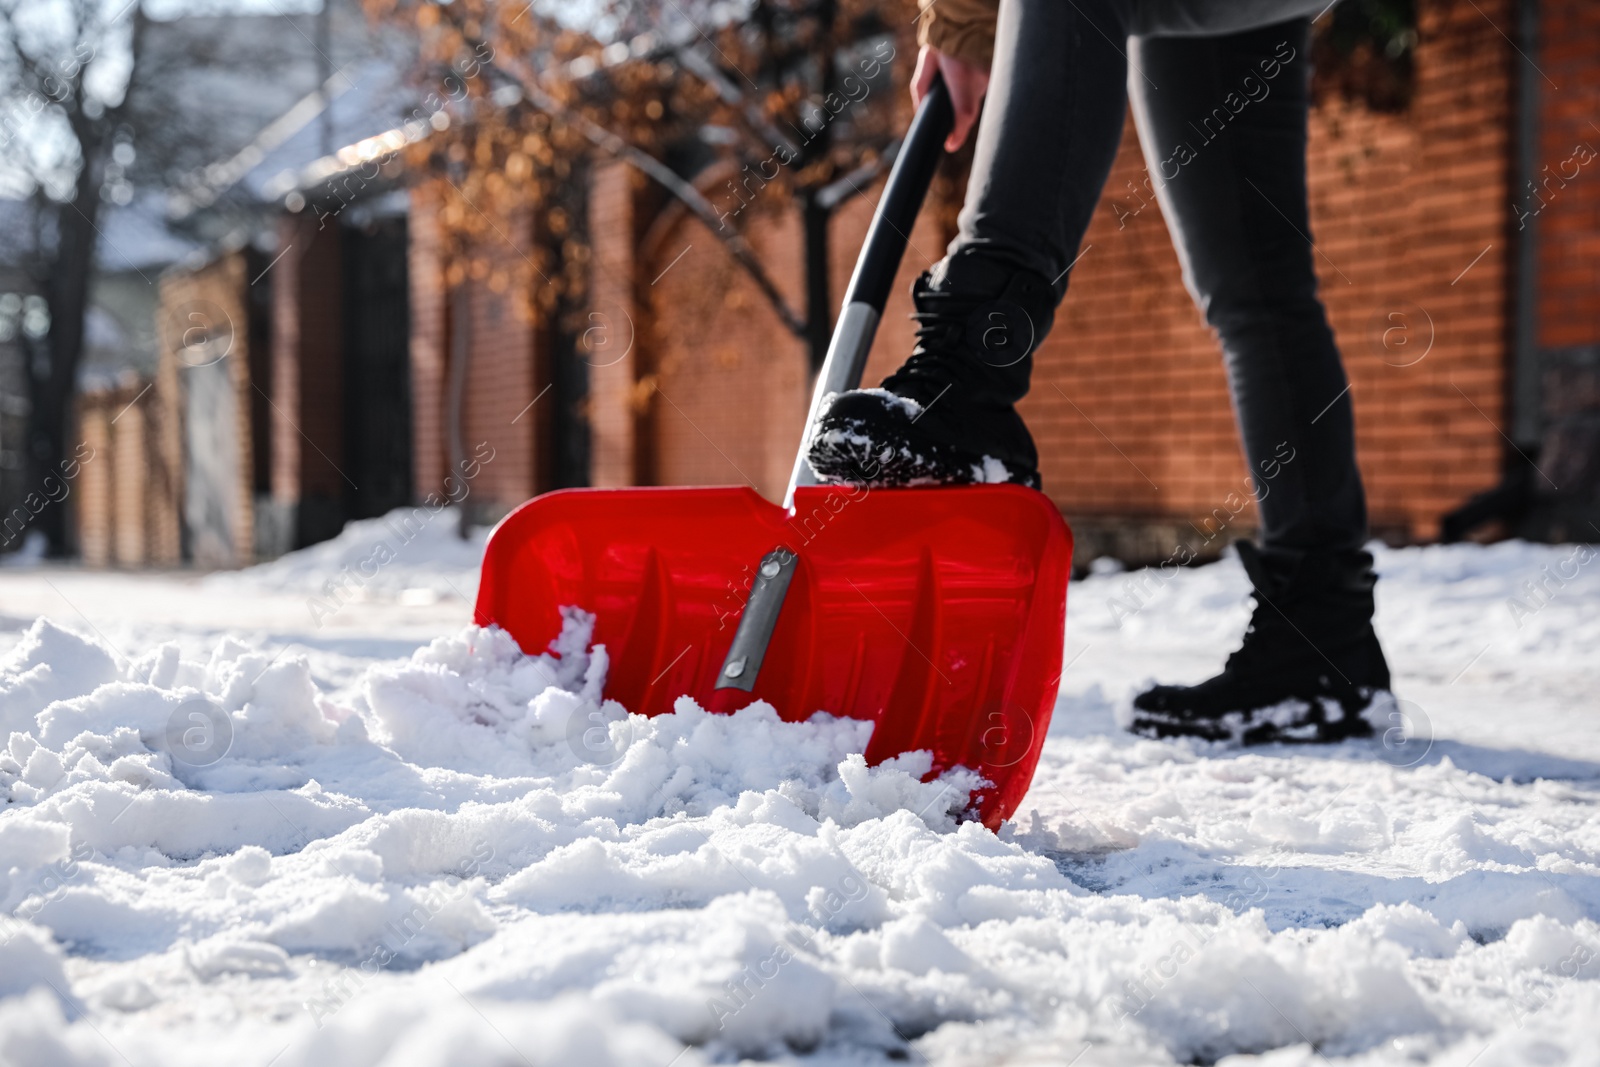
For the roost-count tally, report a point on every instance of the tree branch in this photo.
(698, 64)
(702, 208)
(847, 186)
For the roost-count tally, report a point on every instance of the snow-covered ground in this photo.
(256, 819)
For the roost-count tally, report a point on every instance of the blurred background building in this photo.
(298, 334)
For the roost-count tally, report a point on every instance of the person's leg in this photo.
(1225, 140)
(1051, 126)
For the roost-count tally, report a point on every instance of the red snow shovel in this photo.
(936, 613)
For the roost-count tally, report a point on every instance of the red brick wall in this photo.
(610, 343)
(429, 344)
(95, 506)
(124, 495)
(502, 381)
(727, 377)
(1407, 206)
(1400, 206)
(1563, 209)
(503, 350)
(1567, 197)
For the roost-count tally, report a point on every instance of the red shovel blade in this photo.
(939, 614)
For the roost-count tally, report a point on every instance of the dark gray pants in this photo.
(1220, 91)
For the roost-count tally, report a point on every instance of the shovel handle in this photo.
(902, 198)
(879, 262)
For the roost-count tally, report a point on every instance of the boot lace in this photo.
(936, 358)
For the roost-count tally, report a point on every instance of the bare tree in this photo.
(774, 90)
(65, 72)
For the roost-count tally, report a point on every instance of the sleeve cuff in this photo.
(966, 31)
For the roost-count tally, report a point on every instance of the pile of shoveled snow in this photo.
(470, 858)
(473, 796)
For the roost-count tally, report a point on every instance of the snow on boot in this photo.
(1309, 667)
(948, 416)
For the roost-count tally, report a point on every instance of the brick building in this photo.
(1457, 243)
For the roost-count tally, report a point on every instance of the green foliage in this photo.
(1365, 52)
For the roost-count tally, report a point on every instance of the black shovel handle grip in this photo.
(908, 183)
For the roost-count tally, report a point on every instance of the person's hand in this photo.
(966, 83)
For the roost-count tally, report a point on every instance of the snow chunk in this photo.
(29, 960)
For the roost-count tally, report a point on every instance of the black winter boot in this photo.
(948, 415)
(1309, 667)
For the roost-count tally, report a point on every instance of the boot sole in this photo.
(1292, 721)
(850, 452)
